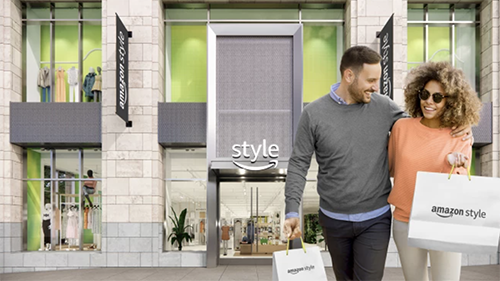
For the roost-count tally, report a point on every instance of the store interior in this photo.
(252, 212)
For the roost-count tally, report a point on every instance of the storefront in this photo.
(215, 92)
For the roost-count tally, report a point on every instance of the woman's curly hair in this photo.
(462, 104)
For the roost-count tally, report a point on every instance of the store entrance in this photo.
(251, 219)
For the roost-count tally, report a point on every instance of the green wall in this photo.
(34, 223)
(439, 38)
(66, 48)
(189, 62)
(320, 61)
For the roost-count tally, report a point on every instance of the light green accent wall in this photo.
(189, 63)
(34, 223)
(439, 41)
(320, 61)
(66, 49)
(439, 44)
(415, 45)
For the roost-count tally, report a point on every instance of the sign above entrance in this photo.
(249, 151)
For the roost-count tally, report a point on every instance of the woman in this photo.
(438, 98)
(89, 187)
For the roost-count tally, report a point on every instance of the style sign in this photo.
(249, 151)
(386, 51)
(122, 36)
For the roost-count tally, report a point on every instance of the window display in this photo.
(60, 215)
(56, 51)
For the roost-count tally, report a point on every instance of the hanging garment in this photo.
(74, 89)
(72, 229)
(64, 224)
(43, 78)
(61, 86)
(57, 219)
(86, 218)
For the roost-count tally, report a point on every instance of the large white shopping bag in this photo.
(299, 264)
(457, 214)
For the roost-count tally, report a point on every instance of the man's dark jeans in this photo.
(358, 249)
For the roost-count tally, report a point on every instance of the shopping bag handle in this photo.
(453, 167)
(288, 245)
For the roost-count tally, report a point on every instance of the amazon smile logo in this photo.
(251, 152)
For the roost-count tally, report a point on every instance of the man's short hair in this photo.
(356, 56)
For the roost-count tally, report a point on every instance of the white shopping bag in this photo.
(457, 214)
(298, 264)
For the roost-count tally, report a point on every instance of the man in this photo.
(348, 132)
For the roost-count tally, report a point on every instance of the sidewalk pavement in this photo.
(225, 272)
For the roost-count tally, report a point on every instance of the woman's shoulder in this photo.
(405, 123)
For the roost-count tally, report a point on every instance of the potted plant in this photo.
(179, 230)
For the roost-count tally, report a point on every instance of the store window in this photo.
(63, 199)
(62, 52)
(447, 32)
(185, 199)
(186, 43)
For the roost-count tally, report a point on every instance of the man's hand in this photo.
(465, 131)
(291, 228)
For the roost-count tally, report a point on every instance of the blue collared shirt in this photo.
(346, 217)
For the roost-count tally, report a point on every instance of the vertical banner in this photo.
(386, 51)
(122, 70)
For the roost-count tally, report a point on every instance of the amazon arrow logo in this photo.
(245, 149)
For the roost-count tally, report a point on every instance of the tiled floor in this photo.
(230, 272)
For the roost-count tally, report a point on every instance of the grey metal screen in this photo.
(254, 92)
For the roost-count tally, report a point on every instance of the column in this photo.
(10, 155)
(132, 158)
(364, 18)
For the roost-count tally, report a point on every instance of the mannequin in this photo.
(225, 236)
(43, 82)
(74, 91)
(47, 214)
(96, 89)
(60, 86)
(89, 187)
(88, 83)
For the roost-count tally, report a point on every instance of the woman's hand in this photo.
(458, 159)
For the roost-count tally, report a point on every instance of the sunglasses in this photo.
(436, 97)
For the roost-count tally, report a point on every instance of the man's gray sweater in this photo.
(350, 142)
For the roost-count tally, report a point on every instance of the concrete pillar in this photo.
(131, 157)
(10, 155)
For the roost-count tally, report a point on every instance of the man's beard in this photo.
(355, 93)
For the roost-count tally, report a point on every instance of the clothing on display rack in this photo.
(72, 227)
(57, 219)
(74, 91)
(61, 86)
(43, 82)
